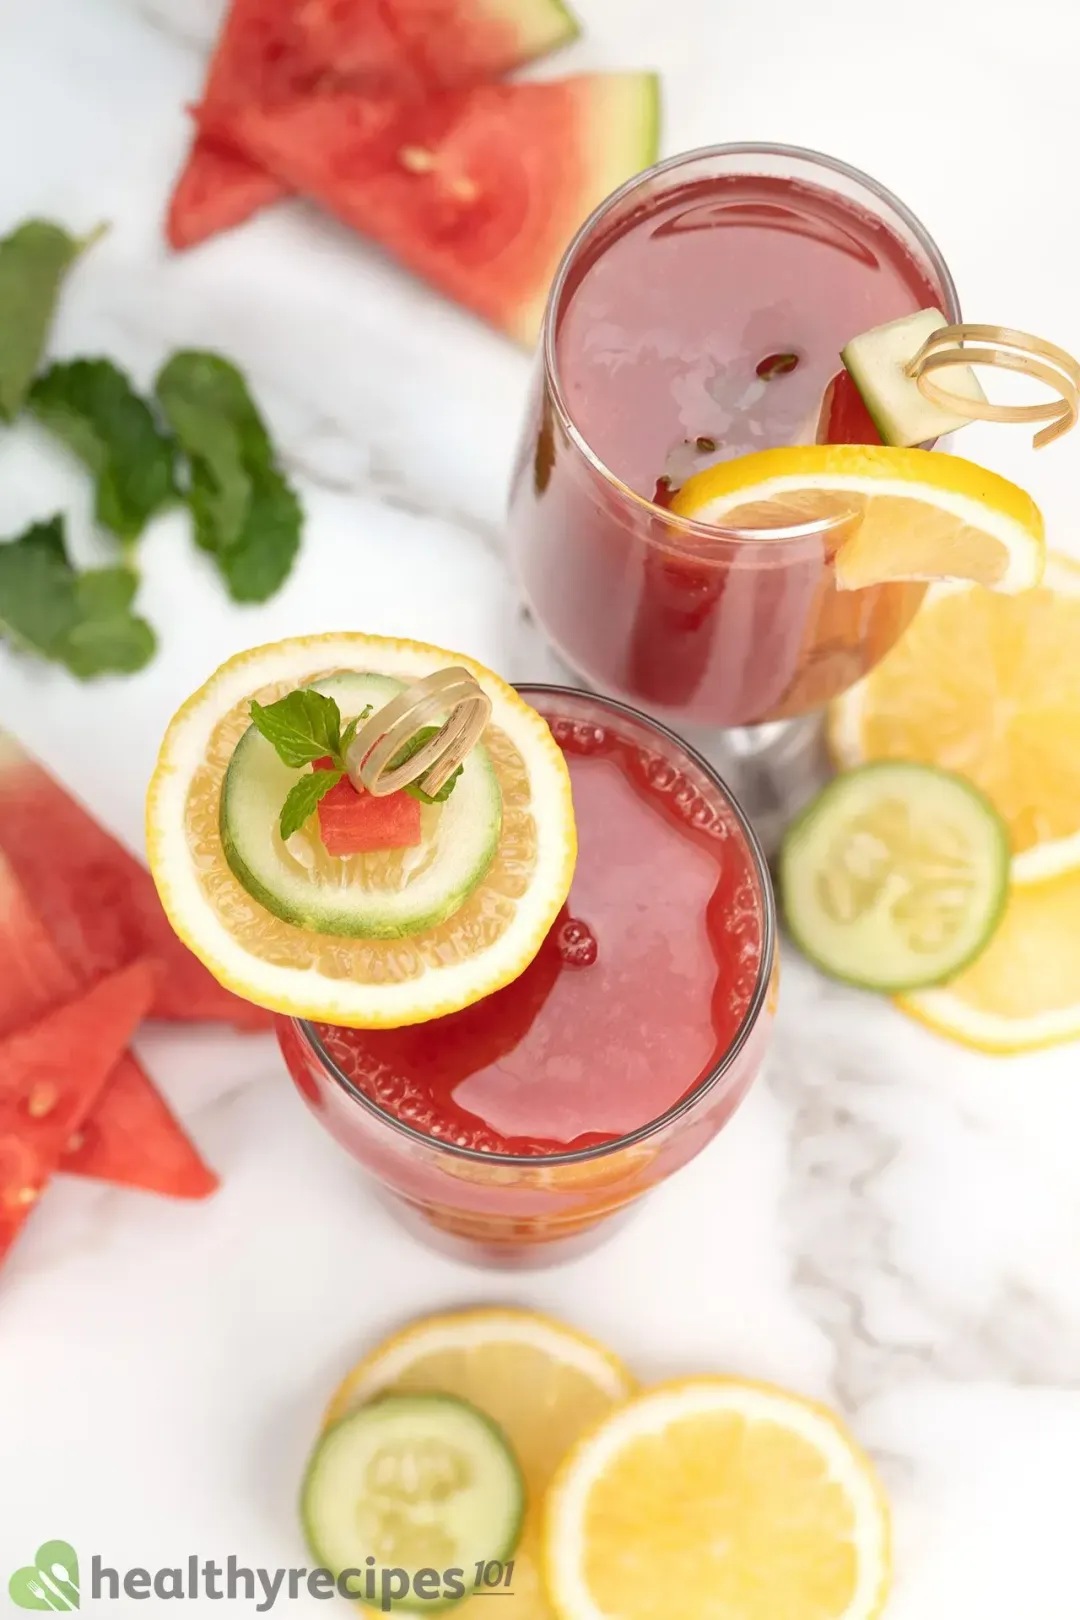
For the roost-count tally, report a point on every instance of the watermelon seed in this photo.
(19, 1197)
(417, 159)
(776, 365)
(42, 1099)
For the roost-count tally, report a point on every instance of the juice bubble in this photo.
(683, 796)
(576, 943)
(578, 736)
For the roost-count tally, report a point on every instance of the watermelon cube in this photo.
(352, 823)
(844, 418)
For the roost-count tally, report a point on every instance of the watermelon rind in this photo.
(624, 116)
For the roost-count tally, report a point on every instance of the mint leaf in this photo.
(302, 727)
(36, 602)
(106, 636)
(351, 729)
(83, 621)
(303, 797)
(246, 514)
(260, 560)
(33, 262)
(405, 753)
(206, 403)
(92, 408)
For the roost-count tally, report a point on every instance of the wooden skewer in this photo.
(452, 700)
(1010, 350)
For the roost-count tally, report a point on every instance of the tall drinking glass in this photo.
(699, 315)
(512, 1131)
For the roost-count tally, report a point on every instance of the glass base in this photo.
(492, 1245)
(772, 770)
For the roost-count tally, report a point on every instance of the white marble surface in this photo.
(889, 1223)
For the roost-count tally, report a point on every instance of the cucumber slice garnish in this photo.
(876, 361)
(895, 876)
(419, 1483)
(354, 896)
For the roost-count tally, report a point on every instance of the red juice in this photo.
(700, 317)
(648, 989)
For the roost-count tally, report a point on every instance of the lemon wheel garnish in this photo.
(1023, 992)
(715, 1496)
(896, 514)
(360, 982)
(989, 687)
(540, 1381)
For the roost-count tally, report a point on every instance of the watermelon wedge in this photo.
(217, 190)
(132, 1139)
(51, 1075)
(444, 43)
(479, 191)
(274, 48)
(96, 902)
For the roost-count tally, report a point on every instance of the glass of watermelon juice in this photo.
(699, 315)
(510, 1131)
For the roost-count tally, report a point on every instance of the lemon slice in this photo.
(485, 943)
(1023, 992)
(711, 1497)
(540, 1381)
(989, 687)
(900, 514)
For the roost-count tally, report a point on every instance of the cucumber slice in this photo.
(419, 1482)
(359, 896)
(895, 876)
(876, 361)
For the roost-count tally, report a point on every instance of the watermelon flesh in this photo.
(132, 1139)
(844, 418)
(270, 49)
(51, 1075)
(442, 43)
(352, 823)
(97, 903)
(217, 190)
(479, 191)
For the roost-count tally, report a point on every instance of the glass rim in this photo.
(707, 1082)
(689, 528)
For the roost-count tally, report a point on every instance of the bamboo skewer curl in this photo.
(1010, 350)
(451, 700)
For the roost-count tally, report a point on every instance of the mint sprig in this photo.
(246, 513)
(304, 728)
(200, 439)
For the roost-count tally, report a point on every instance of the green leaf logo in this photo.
(51, 1581)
